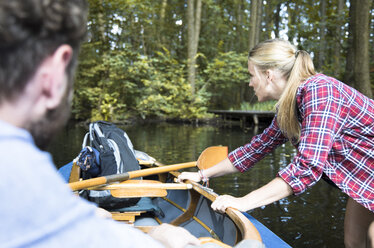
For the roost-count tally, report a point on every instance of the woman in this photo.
(331, 125)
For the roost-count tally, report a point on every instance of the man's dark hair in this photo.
(30, 31)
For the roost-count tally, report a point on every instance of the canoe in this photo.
(187, 206)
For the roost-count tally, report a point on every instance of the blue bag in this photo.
(89, 162)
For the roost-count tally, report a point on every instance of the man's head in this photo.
(39, 43)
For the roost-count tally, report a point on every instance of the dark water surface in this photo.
(313, 219)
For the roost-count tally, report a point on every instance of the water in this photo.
(313, 219)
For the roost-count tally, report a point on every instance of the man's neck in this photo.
(15, 113)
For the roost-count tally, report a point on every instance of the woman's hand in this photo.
(224, 201)
(193, 176)
(269, 193)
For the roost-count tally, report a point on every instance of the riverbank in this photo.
(244, 122)
(242, 118)
(216, 120)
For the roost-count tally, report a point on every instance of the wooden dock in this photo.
(246, 117)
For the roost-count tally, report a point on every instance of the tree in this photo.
(162, 21)
(357, 70)
(122, 72)
(193, 22)
(255, 23)
(338, 35)
(322, 35)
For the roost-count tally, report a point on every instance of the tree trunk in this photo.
(162, 22)
(361, 47)
(349, 65)
(102, 26)
(277, 20)
(258, 22)
(193, 23)
(338, 35)
(322, 35)
(197, 26)
(253, 24)
(293, 20)
(239, 22)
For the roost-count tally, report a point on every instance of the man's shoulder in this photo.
(15, 140)
(17, 144)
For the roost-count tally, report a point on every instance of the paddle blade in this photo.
(212, 156)
(139, 192)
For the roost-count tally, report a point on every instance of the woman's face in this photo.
(258, 82)
(267, 85)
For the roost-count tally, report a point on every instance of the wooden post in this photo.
(255, 119)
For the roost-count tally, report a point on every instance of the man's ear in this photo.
(53, 76)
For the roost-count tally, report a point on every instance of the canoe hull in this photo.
(190, 208)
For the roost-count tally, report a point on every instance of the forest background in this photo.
(174, 59)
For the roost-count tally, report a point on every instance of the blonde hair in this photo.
(295, 66)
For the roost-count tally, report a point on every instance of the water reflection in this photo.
(313, 219)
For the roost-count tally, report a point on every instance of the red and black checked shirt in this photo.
(337, 138)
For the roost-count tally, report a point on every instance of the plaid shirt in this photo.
(337, 138)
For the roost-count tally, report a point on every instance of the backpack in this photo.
(110, 152)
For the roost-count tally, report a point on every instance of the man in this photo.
(39, 43)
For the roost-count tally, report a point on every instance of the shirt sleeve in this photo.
(321, 120)
(244, 157)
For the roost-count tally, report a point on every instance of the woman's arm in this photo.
(222, 168)
(245, 156)
(273, 191)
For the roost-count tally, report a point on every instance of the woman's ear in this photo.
(269, 74)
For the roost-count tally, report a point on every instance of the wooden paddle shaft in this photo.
(128, 175)
(161, 169)
(130, 185)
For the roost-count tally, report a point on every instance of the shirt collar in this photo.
(9, 130)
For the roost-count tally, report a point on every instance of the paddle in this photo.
(209, 157)
(212, 156)
(142, 188)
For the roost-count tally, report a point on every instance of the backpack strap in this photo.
(84, 143)
(100, 142)
(98, 139)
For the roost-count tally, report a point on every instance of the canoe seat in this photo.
(128, 217)
(144, 205)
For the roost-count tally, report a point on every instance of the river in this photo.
(313, 219)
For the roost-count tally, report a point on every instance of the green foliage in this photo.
(227, 70)
(166, 92)
(260, 106)
(126, 84)
(227, 77)
(134, 61)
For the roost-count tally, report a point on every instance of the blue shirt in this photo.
(37, 209)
